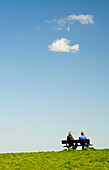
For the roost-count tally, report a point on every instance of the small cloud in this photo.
(53, 20)
(61, 22)
(59, 28)
(83, 19)
(68, 29)
(70, 19)
(47, 21)
(62, 45)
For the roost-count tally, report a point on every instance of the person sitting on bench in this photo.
(69, 139)
(83, 137)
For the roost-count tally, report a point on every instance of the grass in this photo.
(66, 159)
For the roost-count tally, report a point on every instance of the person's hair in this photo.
(70, 133)
(82, 133)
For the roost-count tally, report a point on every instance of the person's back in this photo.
(83, 137)
(70, 138)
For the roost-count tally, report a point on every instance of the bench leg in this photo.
(82, 147)
(74, 146)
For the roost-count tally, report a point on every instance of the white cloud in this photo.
(53, 20)
(59, 28)
(68, 29)
(62, 45)
(83, 19)
(61, 22)
(66, 22)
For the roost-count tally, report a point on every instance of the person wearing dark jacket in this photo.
(69, 139)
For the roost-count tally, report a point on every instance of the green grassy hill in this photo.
(66, 159)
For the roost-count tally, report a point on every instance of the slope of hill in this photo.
(66, 159)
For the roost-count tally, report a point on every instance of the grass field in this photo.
(66, 159)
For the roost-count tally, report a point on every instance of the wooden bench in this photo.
(76, 143)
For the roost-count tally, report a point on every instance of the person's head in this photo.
(82, 133)
(70, 133)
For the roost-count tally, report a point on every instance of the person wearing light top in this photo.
(83, 137)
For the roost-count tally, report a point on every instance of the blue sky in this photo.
(54, 73)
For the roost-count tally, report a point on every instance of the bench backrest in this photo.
(76, 141)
